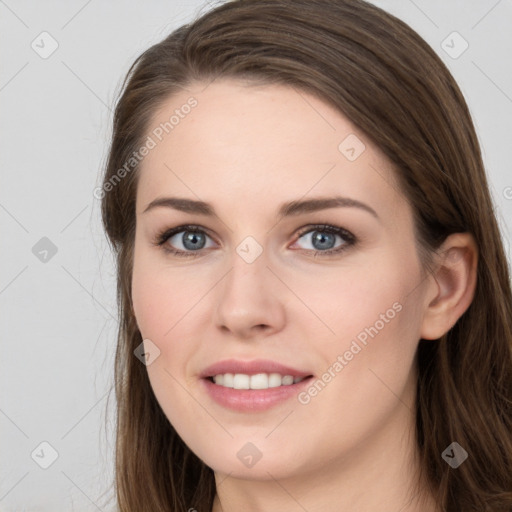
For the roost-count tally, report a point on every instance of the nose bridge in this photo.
(247, 298)
(248, 265)
(250, 250)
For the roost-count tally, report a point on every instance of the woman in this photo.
(315, 301)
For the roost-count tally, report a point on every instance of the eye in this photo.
(191, 240)
(322, 239)
(183, 240)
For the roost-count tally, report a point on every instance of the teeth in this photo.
(257, 381)
(274, 380)
(287, 380)
(241, 381)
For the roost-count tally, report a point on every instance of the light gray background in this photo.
(58, 322)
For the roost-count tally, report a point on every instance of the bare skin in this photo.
(247, 149)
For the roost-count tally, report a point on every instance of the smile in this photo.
(257, 381)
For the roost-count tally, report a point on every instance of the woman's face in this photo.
(250, 287)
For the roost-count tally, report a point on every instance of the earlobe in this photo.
(452, 285)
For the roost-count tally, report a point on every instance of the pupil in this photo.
(321, 237)
(191, 239)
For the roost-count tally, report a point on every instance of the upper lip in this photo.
(251, 368)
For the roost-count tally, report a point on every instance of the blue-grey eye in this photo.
(190, 240)
(321, 240)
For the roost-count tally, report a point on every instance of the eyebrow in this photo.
(291, 208)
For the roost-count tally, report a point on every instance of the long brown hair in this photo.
(384, 77)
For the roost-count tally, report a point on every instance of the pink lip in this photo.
(251, 368)
(251, 400)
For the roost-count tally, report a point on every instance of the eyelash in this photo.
(349, 238)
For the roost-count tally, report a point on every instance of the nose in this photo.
(250, 299)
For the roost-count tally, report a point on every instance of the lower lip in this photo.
(253, 400)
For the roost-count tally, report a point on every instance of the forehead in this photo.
(265, 144)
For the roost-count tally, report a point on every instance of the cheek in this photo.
(149, 305)
(161, 303)
(162, 317)
(377, 326)
(161, 296)
(165, 305)
(364, 302)
(369, 369)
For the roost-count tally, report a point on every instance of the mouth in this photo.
(241, 381)
(253, 386)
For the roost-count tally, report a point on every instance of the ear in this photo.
(452, 285)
